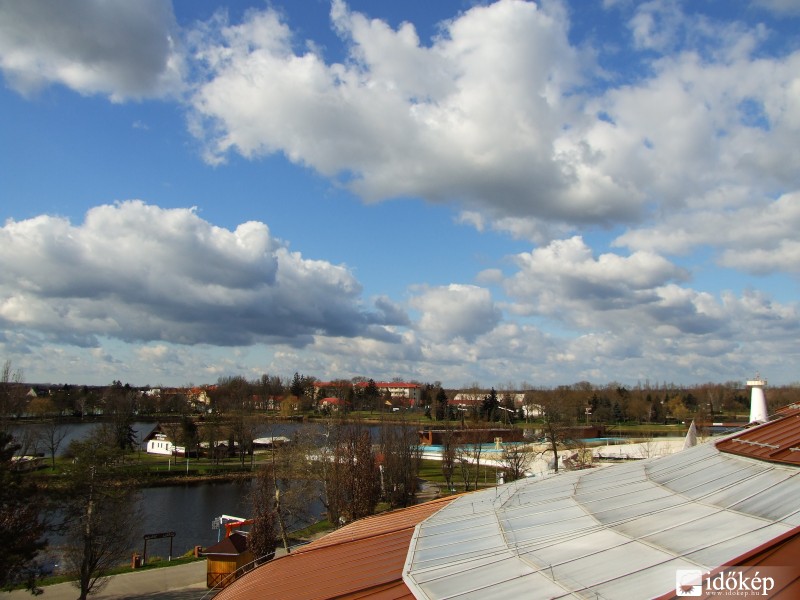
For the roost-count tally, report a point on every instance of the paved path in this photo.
(183, 582)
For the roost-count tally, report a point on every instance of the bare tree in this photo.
(558, 415)
(12, 397)
(352, 483)
(262, 540)
(293, 489)
(212, 432)
(475, 442)
(462, 460)
(50, 435)
(468, 451)
(172, 430)
(401, 454)
(515, 460)
(100, 515)
(244, 426)
(581, 458)
(448, 455)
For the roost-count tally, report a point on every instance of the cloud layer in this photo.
(494, 114)
(120, 49)
(685, 161)
(140, 273)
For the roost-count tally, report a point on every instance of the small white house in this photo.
(159, 444)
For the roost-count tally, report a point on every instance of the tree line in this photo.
(607, 403)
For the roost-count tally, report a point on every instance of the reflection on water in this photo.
(188, 510)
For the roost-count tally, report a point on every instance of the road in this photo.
(182, 582)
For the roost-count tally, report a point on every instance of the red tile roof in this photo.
(362, 560)
(775, 441)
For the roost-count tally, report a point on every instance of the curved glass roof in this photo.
(614, 532)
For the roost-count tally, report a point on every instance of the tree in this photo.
(293, 488)
(558, 414)
(372, 395)
(212, 431)
(515, 460)
(189, 435)
(442, 408)
(270, 388)
(401, 454)
(12, 398)
(262, 540)
(352, 485)
(172, 429)
(468, 451)
(50, 435)
(463, 460)
(448, 455)
(507, 407)
(297, 387)
(490, 406)
(100, 514)
(120, 405)
(21, 527)
(244, 427)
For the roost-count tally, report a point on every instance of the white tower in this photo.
(758, 404)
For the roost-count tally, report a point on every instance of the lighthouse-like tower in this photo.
(758, 404)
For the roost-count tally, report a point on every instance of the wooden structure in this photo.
(225, 558)
(434, 437)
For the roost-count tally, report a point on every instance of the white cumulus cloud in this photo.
(455, 311)
(137, 272)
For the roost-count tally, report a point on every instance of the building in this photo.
(225, 558)
(159, 444)
(624, 531)
(431, 436)
(408, 394)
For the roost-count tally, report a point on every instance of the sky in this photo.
(505, 193)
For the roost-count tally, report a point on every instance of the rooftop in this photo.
(361, 560)
(775, 441)
(615, 532)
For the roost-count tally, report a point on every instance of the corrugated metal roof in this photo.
(362, 560)
(776, 441)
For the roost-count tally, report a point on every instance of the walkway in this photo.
(183, 582)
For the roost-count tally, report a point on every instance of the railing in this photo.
(231, 577)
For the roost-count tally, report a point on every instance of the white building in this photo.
(159, 444)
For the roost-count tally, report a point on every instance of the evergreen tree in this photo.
(442, 410)
(297, 388)
(21, 527)
(489, 406)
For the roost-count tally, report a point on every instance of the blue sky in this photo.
(509, 193)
